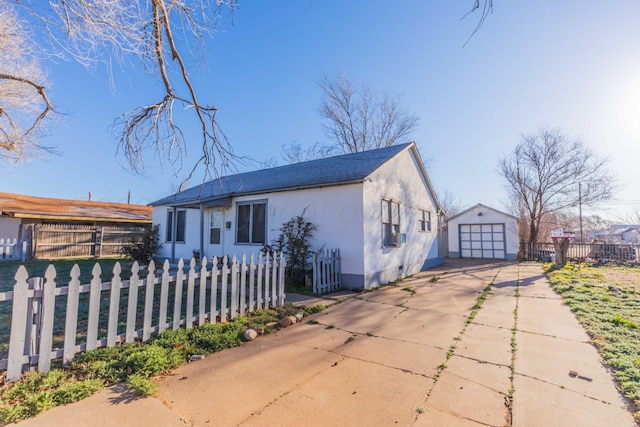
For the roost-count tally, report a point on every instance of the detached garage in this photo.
(483, 232)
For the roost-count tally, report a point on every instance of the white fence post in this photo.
(132, 303)
(224, 285)
(46, 327)
(283, 264)
(94, 307)
(234, 287)
(18, 325)
(71, 321)
(191, 286)
(214, 292)
(114, 306)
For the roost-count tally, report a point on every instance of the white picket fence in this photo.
(9, 250)
(327, 271)
(239, 288)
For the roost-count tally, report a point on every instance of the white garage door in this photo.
(482, 241)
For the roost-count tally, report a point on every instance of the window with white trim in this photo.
(390, 221)
(215, 228)
(251, 222)
(181, 216)
(424, 220)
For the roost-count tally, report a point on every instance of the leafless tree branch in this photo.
(486, 9)
(156, 33)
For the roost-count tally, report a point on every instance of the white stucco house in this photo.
(483, 232)
(378, 207)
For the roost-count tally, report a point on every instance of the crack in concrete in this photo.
(555, 336)
(169, 406)
(293, 388)
(481, 361)
(474, 311)
(514, 351)
(477, 383)
(406, 371)
(569, 389)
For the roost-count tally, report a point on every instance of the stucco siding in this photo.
(192, 233)
(337, 211)
(400, 181)
(9, 228)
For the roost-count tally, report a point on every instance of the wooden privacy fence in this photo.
(327, 271)
(51, 241)
(106, 314)
(606, 252)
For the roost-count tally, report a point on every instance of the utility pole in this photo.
(580, 209)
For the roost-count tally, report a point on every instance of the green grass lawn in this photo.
(8, 270)
(63, 268)
(606, 300)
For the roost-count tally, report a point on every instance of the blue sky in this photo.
(572, 64)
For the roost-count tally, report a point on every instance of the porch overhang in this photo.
(220, 202)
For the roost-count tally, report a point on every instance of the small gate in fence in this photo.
(327, 271)
(214, 292)
(11, 250)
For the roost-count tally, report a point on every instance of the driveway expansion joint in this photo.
(564, 387)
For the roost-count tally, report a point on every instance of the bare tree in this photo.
(450, 204)
(543, 174)
(632, 217)
(360, 119)
(162, 35)
(294, 152)
(24, 105)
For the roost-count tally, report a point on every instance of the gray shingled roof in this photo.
(347, 168)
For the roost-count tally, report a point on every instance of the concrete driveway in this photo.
(414, 354)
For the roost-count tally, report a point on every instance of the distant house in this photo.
(483, 232)
(38, 219)
(378, 207)
(620, 233)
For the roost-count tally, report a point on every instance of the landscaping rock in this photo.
(259, 330)
(196, 357)
(250, 334)
(299, 316)
(287, 321)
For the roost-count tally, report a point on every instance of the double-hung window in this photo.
(424, 220)
(390, 221)
(181, 221)
(251, 222)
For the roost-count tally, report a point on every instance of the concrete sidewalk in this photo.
(401, 355)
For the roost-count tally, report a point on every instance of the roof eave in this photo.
(81, 218)
(194, 203)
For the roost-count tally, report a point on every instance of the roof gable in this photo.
(337, 170)
(480, 205)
